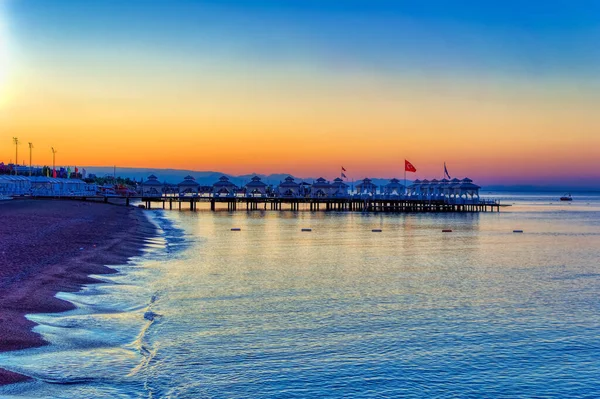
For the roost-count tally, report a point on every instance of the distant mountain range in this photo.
(207, 178)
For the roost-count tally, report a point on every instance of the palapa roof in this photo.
(394, 183)
(338, 183)
(256, 183)
(152, 181)
(365, 182)
(188, 181)
(321, 183)
(289, 183)
(224, 182)
(467, 184)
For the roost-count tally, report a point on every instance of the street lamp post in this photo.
(16, 141)
(53, 161)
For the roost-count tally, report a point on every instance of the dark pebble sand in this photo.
(48, 246)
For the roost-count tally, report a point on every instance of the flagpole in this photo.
(405, 188)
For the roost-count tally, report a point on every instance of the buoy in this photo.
(517, 231)
(236, 229)
(306, 229)
(376, 230)
(446, 231)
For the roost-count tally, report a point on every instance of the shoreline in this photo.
(50, 246)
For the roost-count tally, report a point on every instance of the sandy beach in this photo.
(51, 246)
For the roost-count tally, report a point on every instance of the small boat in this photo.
(566, 197)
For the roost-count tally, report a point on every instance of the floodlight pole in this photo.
(53, 161)
(16, 141)
(30, 157)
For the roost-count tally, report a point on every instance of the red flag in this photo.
(409, 166)
(343, 169)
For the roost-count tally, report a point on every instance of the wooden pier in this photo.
(317, 204)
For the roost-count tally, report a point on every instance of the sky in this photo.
(502, 91)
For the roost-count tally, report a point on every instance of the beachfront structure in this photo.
(256, 187)
(288, 188)
(189, 185)
(14, 185)
(305, 189)
(339, 188)
(394, 187)
(413, 191)
(224, 187)
(42, 186)
(366, 186)
(455, 190)
(320, 188)
(152, 187)
(467, 190)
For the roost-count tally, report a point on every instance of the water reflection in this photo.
(271, 311)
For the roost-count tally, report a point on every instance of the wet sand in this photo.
(50, 246)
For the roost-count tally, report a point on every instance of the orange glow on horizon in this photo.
(306, 122)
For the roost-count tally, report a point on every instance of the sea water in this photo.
(272, 311)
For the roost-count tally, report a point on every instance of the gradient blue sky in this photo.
(476, 83)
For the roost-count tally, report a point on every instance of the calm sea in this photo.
(338, 312)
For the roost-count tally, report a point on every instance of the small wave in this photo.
(141, 344)
(71, 381)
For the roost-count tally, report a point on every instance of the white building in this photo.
(339, 188)
(224, 187)
(189, 186)
(152, 187)
(256, 188)
(454, 191)
(366, 186)
(394, 188)
(320, 188)
(14, 185)
(42, 186)
(288, 188)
